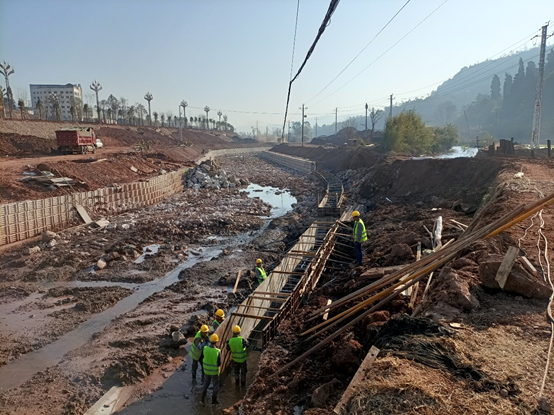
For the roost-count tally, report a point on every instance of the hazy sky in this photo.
(235, 55)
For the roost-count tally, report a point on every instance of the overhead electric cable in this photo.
(385, 52)
(360, 52)
(294, 39)
(326, 20)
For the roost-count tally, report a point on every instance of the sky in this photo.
(235, 55)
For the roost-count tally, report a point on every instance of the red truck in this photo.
(80, 140)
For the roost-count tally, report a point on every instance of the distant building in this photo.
(67, 95)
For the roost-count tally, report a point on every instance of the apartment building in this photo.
(67, 95)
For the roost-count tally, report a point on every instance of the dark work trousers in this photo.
(210, 379)
(358, 249)
(240, 369)
(195, 368)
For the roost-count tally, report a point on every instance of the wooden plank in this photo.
(358, 378)
(252, 316)
(272, 299)
(237, 282)
(287, 272)
(262, 308)
(326, 315)
(506, 265)
(273, 293)
(527, 265)
(83, 213)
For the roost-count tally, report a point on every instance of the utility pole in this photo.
(536, 132)
(257, 129)
(467, 123)
(316, 127)
(303, 116)
(266, 130)
(390, 112)
(288, 134)
(366, 121)
(336, 112)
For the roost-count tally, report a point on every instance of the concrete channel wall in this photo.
(296, 163)
(22, 220)
(211, 154)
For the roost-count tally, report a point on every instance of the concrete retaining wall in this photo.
(230, 152)
(22, 220)
(296, 163)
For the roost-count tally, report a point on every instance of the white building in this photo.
(67, 95)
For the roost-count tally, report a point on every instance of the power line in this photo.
(294, 39)
(380, 56)
(360, 52)
(326, 20)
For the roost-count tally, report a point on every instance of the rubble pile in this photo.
(209, 176)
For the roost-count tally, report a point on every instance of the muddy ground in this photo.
(29, 146)
(198, 240)
(500, 339)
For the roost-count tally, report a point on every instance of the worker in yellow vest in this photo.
(237, 346)
(260, 271)
(198, 344)
(359, 235)
(210, 366)
(219, 317)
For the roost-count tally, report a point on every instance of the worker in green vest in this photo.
(198, 344)
(260, 271)
(359, 235)
(237, 346)
(219, 317)
(210, 366)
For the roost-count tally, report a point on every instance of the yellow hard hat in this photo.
(214, 338)
(204, 328)
(258, 261)
(236, 329)
(355, 213)
(220, 313)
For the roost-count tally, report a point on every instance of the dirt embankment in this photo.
(491, 361)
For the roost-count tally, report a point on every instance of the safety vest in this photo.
(195, 352)
(262, 276)
(364, 233)
(238, 351)
(209, 364)
(215, 324)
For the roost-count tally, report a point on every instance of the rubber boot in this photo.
(243, 381)
(214, 400)
(237, 380)
(202, 398)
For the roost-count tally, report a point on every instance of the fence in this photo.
(22, 220)
(295, 163)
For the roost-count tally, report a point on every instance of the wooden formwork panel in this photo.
(22, 220)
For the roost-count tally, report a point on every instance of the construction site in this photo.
(106, 281)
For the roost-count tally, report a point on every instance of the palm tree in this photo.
(207, 109)
(149, 98)
(85, 110)
(225, 122)
(219, 114)
(97, 87)
(21, 104)
(7, 70)
(155, 119)
(39, 107)
(162, 118)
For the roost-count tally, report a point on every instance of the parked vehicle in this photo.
(99, 143)
(76, 140)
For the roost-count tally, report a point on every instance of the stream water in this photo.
(20, 370)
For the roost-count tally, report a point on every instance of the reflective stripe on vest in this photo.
(209, 364)
(262, 276)
(195, 352)
(238, 351)
(364, 233)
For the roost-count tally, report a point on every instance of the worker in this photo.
(260, 271)
(237, 346)
(200, 340)
(219, 317)
(360, 236)
(210, 367)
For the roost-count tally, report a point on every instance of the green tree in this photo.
(444, 138)
(495, 88)
(155, 118)
(406, 132)
(163, 119)
(21, 105)
(85, 111)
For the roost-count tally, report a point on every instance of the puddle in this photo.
(280, 200)
(147, 250)
(459, 151)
